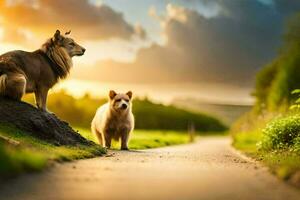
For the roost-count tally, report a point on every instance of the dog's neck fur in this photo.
(59, 56)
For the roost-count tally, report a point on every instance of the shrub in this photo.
(282, 133)
(297, 145)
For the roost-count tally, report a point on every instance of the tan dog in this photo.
(114, 120)
(27, 72)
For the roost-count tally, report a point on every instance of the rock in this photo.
(39, 124)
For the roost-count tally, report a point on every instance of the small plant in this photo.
(282, 134)
(296, 105)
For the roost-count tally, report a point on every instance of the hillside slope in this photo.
(30, 138)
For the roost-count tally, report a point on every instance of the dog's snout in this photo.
(124, 106)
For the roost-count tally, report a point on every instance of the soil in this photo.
(40, 124)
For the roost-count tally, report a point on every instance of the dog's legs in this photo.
(99, 138)
(15, 85)
(37, 99)
(98, 134)
(108, 141)
(124, 140)
(43, 94)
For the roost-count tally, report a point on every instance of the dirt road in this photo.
(208, 169)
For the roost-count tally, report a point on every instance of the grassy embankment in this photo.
(22, 153)
(271, 131)
(277, 145)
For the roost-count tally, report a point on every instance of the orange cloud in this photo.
(88, 21)
(227, 48)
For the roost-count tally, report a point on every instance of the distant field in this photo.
(144, 139)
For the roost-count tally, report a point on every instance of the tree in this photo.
(276, 81)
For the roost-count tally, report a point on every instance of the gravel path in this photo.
(207, 169)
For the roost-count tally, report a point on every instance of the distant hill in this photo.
(151, 115)
(226, 112)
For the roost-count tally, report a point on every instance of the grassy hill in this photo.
(228, 113)
(270, 132)
(31, 139)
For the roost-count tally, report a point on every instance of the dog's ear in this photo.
(57, 36)
(68, 33)
(129, 94)
(112, 94)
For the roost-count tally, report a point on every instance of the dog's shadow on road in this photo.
(112, 152)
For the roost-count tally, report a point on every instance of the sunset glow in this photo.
(164, 93)
(164, 49)
(150, 99)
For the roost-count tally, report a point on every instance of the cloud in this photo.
(89, 21)
(226, 48)
(13, 35)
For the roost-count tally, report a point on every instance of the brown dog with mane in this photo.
(38, 71)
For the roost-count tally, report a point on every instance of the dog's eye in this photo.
(72, 44)
(118, 100)
(126, 100)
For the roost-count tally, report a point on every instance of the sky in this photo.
(206, 49)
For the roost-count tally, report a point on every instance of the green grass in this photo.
(283, 163)
(15, 160)
(31, 154)
(247, 141)
(270, 139)
(144, 139)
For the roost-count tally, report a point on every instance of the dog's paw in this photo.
(125, 149)
(47, 111)
(42, 109)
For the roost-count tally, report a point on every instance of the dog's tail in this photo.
(3, 82)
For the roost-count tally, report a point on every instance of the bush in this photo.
(297, 145)
(282, 133)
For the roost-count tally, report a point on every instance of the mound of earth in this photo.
(39, 124)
